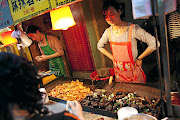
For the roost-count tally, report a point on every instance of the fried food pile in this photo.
(70, 91)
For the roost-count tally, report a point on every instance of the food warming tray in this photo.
(144, 91)
(61, 80)
(87, 83)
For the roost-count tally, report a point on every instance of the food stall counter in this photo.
(146, 97)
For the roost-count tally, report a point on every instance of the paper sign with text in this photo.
(5, 14)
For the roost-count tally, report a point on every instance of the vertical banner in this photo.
(5, 14)
(25, 9)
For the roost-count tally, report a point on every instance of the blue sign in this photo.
(5, 14)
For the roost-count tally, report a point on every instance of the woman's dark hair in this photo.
(114, 4)
(18, 85)
(109, 3)
(32, 29)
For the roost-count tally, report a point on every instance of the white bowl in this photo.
(126, 112)
(141, 116)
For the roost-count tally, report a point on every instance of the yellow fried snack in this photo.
(70, 91)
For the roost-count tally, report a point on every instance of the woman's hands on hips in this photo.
(138, 63)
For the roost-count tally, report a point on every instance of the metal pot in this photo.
(175, 99)
(175, 96)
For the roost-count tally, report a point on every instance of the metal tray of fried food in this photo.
(99, 84)
(61, 80)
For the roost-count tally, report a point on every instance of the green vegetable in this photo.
(116, 104)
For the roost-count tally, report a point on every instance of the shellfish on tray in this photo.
(108, 101)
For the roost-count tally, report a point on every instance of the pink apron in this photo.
(124, 65)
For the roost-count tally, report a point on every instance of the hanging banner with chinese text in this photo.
(22, 10)
(25, 9)
(5, 14)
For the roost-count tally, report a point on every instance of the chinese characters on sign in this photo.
(63, 2)
(29, 10)
(25, 9)
(5, 15)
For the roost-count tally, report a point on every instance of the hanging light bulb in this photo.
(7, 39)
(62, 18)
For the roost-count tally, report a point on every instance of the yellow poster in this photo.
(22, 10)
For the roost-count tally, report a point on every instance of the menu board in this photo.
(22, 10)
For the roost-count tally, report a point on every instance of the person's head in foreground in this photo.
(18, 85)
(19, 90)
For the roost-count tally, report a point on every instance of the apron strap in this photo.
(109, 33)
(46, 40)
(130, 33)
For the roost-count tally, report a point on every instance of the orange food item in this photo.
(70, 91)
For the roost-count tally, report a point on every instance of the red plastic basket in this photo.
(98, 78)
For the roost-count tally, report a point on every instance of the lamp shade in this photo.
(7, 39)
(62, 18)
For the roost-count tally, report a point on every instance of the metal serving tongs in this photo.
(93, 86)
(94, 79)
(110, 84)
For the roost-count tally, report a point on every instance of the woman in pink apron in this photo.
(123, 40)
